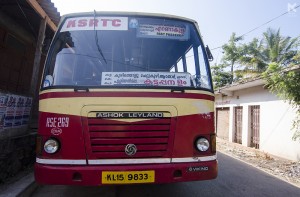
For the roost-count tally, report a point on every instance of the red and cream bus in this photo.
(126, 98)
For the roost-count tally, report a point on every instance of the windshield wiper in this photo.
(96, 39)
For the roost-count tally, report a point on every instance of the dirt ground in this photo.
(284, 169)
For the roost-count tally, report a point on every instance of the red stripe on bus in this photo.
(126, 94)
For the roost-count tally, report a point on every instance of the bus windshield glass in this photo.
(128, 51)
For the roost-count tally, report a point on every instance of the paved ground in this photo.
(284, 169)
(235, 178)
(23, 186)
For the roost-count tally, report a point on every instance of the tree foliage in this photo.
(272, 57)
(220, 76)
(280, 76)
(232, 53)
(278, 48)
(286, 84)
(253, 58)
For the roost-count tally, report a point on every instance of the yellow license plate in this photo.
(128, 177)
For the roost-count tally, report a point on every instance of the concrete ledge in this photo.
(21, 188)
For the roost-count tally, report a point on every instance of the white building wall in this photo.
(276, 117)
(276, 124)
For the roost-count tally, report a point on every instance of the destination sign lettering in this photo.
(95, 23)
(129, 115)
(167, 31)
(147, 79)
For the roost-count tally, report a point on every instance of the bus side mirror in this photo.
(210, 57)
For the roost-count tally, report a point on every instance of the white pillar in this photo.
(231, 119)
(245, 130)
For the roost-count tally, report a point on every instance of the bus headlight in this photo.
(202, 144)
(51, 146)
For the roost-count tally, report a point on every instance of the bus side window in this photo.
(190, 61)
(204, 72)
(64, 66)
(180, 65)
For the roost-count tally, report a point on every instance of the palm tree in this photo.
(273, 48)
(232, 52)
(254, 58)
(279, 49)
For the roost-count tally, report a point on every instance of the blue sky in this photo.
(217, 19)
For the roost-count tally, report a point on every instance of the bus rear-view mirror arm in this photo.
(210, 57)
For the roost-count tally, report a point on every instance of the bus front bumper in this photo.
(92, 174)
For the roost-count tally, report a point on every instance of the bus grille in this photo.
(108, 138)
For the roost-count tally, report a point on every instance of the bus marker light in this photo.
(213, 143)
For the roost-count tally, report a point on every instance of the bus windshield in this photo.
(128, 51)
